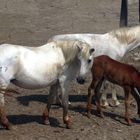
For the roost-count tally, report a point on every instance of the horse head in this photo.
(86, 59)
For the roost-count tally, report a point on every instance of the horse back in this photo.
(115, 71)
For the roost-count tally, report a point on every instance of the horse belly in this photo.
(34, 82)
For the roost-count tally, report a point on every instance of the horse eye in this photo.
(89, 60)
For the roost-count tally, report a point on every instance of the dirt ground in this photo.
(31, 23)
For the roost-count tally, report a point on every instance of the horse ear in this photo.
(92, 50)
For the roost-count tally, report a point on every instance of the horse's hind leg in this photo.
(127, 91)
(136, 95)
(52, 94)
(3, 119)
(103, 99)
(104, 89)
(114, 96)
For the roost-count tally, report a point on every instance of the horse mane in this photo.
(126, 35)
(71, 48)
(68, 48)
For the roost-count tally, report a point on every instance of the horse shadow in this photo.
(25, 119)
(25, 100)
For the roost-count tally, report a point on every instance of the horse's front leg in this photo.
(89, 100)
(98, 96)
(65, 103)
(52, 94)
(91, 92)
(127, 91)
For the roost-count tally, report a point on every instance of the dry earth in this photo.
(31, 23)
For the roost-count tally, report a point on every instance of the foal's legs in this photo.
(91, 92)
(136, 94)
(98, 96)
(52, 94)
(127, 91)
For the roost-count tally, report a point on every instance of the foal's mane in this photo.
(126, 35)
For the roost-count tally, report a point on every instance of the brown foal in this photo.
(105, 68)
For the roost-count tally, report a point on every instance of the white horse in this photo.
(114, 44)
(53, 64)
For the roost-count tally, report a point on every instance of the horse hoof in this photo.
(102, 115)
(67, 120)
(46, 122)
(7, 126)
(129, 122)
(115, 103)
(69, 125)
(88, 115)
(104, 104)
(45, 119)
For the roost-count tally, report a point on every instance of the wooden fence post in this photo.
(124, 13)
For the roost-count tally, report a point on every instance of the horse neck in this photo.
(136, 34)
(129, 38)
(70, 53)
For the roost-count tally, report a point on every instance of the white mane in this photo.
(127, 35)
(70, 49)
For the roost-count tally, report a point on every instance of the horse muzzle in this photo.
(80, 80)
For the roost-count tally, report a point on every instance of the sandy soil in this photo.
(32, 22)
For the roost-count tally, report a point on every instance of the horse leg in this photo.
(136, 94)
(52, 94)
(98, 96)
(103, 99)
(3, 118)
(127, 91)
(115, 101)
(105, 87)
(66, 119)
(89, 100)
(90, 94)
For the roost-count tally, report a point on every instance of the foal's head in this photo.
(86, 58)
